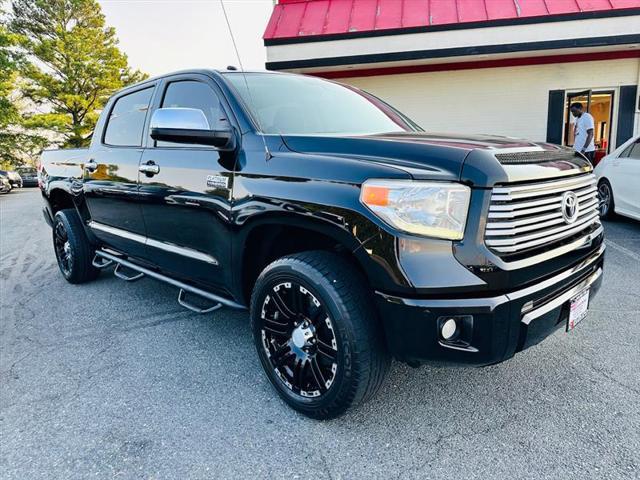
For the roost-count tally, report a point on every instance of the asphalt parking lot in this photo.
(115, 380)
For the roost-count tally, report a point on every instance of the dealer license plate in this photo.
(578, 309)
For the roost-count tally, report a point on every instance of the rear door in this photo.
(111, 173)
(186, 206)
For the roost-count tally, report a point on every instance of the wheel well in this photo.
(59, 200)
(270, 242)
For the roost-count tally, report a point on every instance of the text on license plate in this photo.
(578, 309)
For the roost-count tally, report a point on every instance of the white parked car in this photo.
(619, 181)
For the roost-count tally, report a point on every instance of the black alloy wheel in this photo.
(64, 253)
(317, 334)
(73, 250)
(298, 338)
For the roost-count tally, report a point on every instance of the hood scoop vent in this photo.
(516, 158)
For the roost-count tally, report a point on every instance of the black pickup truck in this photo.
(350, 234)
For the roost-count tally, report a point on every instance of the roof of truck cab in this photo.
(200, 71)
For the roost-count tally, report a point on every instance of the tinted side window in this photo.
(626, 151)
(635, 151)
(126, 121)
(193, 94)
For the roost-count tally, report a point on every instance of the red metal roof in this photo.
(302, 18)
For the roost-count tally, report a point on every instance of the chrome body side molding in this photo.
(167, 247)
(118, 232)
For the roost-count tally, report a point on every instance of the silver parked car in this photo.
(5, 185)
(14, 178)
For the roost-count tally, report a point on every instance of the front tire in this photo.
(607, 205)
(317, 335)
(73, 251)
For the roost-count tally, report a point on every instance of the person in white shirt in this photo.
(583, 128)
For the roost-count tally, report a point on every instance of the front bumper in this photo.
(496, 327)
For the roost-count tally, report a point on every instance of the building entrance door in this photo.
(599, 103)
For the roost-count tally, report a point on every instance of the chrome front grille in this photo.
(529, 217)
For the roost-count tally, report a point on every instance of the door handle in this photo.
(91, 165)
(149, 169)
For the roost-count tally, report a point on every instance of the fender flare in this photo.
(340, 234)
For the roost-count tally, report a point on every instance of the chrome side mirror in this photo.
(189, 125)
(181, 118)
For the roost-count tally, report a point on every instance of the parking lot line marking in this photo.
(622, 249)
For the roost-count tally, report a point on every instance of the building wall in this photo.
(510, 101)
(472, 38)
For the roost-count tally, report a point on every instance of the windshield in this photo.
(26, 170)
(300, 105)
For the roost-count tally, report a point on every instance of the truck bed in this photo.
(64, 163)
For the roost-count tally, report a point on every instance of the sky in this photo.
(161, 36)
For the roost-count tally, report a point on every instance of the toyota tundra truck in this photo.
(350, 235)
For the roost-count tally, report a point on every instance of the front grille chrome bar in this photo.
(549, 186)
(515, 232)
(534, 221)
(550, 202)
(530, 217)
(546, 238)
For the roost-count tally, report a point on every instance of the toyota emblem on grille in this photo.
(570, 207)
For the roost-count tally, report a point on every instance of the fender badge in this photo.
(217, 181)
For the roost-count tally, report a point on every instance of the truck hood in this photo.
(442, 156)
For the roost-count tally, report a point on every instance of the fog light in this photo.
(449, 329)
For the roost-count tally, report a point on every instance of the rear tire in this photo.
(607, 205)
(317, 335)
(73, 251)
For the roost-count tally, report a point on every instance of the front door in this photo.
(186, 205)
(111, 174)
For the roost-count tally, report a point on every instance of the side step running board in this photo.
(100, 262)
(118, 273)
(192, 307)
(104, 259)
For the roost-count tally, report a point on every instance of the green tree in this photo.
(74, 65)
(8, 73)
(11, 136)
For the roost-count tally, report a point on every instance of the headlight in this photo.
(432, 209)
